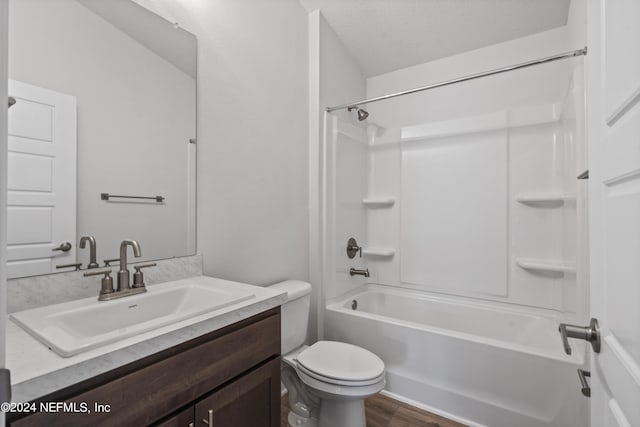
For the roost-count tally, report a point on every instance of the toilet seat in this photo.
(327, 390)
(334, 381)
(340, 363)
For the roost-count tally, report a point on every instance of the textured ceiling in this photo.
(386, 35)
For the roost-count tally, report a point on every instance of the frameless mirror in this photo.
(102, 134)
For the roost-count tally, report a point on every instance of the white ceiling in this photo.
(386, 35)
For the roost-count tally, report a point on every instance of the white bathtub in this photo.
(482, 363)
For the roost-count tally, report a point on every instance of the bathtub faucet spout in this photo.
(356, 272)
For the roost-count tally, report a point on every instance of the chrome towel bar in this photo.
(107, 196)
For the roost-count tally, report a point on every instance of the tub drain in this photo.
(354, 305)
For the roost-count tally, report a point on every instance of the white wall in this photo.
(252, 136)
(475, 97)
(135, 116)
(341, 79)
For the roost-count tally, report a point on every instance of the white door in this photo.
(41, 211)
(613, 92)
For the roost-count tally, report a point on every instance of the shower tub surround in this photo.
(465, 202)
(485, 206)
(465, 343)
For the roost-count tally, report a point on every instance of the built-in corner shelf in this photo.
(545, 265)
(550, 199)
(379, 252)
(379, 202)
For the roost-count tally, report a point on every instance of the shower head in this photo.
(362, 114)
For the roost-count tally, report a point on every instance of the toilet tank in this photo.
(294, 313)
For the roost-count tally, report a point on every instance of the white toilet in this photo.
(327, 381)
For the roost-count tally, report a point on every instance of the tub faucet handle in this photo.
(353, 248)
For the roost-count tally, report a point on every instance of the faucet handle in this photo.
(138, 277)
(107, 283)
(107, 262)
(353, 248)
(77, 265)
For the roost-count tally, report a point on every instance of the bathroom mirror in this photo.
(106, 104)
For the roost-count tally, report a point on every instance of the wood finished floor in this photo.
(382, 411)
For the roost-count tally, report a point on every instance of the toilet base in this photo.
(295, 420)
(342, 413)
(333, 413)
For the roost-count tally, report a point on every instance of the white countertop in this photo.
(37, 371)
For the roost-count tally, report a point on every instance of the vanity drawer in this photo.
(149, 393)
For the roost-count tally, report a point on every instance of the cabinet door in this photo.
(252, 400)
(181, 419)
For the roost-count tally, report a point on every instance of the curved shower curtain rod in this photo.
(571, 54)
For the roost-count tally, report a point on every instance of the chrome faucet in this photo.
(123, 274)
(356, 272)
(123, 288)
(92, 250)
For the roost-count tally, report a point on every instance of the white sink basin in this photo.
(76, 326)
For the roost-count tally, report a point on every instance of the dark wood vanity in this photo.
(229, 377)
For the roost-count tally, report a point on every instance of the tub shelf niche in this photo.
(545, 265)
(545, 199)
(378, 252)
(378, 202)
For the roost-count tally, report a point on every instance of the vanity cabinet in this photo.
(184, 418)
(246, 401)
(233, 372)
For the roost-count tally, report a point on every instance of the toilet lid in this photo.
(302, 370)
(341, 361)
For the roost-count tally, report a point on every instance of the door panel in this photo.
(613, 75)
(28, 225)
(614, 416)
(622, 43)
(622, 274)
(41, 180)
(29, 172)
(31, 119)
